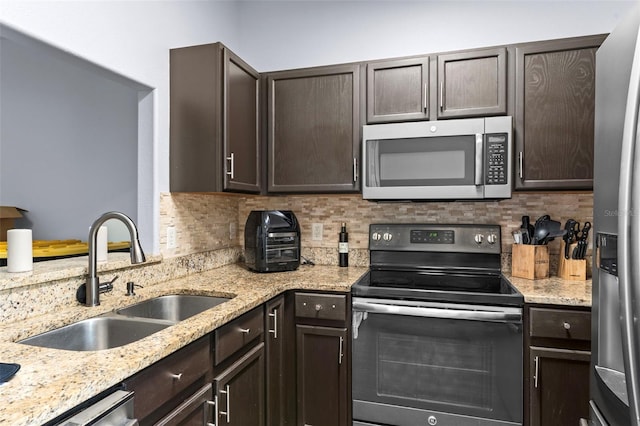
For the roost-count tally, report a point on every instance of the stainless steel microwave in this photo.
(433, 160)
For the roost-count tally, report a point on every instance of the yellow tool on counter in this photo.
(62, 248)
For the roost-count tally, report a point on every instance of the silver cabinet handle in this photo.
(341, 354)
(520, 164)
(425, 100)
(245, 330)
(213, 403)
(536, 361)
(566, 325)
(355, 170)
(231, 171)
(227, 392)
(442, 96)
(176, 376)
(274, 315)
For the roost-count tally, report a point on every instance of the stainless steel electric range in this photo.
(437, 329)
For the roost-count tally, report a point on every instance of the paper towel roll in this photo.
(19, 250)
(102, 244)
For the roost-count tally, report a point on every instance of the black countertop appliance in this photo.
(272, 241)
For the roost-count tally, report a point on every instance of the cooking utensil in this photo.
(546, 230)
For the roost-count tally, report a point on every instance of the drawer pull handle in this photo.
(227, 392)
(245, 330)
(318, 307)
(535, 374)
(176, 376)
(566, 325)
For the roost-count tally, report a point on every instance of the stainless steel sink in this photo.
(176, 307)
(96, 334)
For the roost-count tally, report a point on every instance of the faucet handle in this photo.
(81, 293)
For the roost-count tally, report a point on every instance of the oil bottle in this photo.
(343, 246)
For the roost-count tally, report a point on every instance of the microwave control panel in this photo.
(496, 159)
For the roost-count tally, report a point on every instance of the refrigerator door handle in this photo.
(628, 239)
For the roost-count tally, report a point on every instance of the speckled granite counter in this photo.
(554, 291)
(51, 381)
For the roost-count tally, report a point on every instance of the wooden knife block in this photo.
(531, 262)
(571, 269)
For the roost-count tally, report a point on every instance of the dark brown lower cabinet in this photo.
(162, 388)
(239, 391)
(195, 411)
(322, 376)
(560, 391)
(557, 365)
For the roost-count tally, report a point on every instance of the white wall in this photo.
(292, 34)
(68, 142)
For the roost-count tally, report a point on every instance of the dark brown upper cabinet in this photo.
(398, 90)
(472, 83)
(314, 129)
(554, 113)
(215, 121)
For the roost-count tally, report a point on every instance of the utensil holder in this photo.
(529, 261)
(571, 269)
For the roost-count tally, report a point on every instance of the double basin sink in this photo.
(126, 325)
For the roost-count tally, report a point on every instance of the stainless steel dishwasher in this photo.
(116, 408)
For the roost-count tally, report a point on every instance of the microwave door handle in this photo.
(479, 159)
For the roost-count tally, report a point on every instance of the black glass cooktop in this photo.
(456, 287)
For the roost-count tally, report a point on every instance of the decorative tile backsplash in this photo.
(206, 221)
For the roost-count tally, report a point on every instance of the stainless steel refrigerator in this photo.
(615, 362)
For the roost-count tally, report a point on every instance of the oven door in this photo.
(424, 363)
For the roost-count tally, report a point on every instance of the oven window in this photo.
(464, 367)
(442, 370)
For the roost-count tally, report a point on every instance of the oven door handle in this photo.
(459, 314)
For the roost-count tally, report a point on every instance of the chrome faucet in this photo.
(137, 255)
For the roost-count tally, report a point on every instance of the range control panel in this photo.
(435, 237)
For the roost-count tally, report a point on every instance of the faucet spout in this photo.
(137, 255)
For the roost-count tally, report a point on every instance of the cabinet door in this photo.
(398, 90)
(322, 376)
(241, 129)
(559, 386)
(554, 117)
(195, 111)
(280, 357)
(314, 129)
(472, 83)
(240, 391)
(214, 121)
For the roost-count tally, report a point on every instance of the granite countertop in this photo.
(51, 381)
(554, 291)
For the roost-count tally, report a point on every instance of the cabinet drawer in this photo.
(233, 336)
(170, 376)
(560, 324)
(321, 306)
